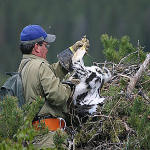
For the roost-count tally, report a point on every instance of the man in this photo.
(42, 79)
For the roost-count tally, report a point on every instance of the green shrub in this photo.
(16, 130)
(59, 139)
(11, 118)
(115, 49)
(139, 121)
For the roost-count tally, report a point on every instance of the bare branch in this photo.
(135, 78)
(126, 57)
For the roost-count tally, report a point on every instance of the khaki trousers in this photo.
(44, 141)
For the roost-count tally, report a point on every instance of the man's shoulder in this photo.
(39, 62)
(40, 65)
(35, 59)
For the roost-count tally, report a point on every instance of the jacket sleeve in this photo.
(63, 66)
(58, 70)
(55, 92)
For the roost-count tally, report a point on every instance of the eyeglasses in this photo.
(45, 44)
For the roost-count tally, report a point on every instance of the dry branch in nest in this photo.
(136, 77)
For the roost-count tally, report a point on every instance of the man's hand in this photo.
(84, 41)
(75, 81)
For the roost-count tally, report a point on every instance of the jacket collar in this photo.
(31, 56)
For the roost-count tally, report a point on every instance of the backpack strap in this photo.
(26, 61)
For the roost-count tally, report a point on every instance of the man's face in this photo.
(41, 50)
(44, 50)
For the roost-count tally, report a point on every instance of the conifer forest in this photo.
(119, 36)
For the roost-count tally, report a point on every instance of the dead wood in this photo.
(136, 77)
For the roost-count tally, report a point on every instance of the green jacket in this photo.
(42, 79)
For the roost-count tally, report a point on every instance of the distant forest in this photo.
(70, 20)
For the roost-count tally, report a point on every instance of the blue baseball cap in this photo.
(35, 33)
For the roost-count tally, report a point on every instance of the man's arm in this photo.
(58, 70)
(55, 92)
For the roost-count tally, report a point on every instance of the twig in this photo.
(105, 145)
(126, 57)
(145, 82)
(113, 108)
(127, 127)
(114, 130)
(124, 76)
(102, 116)
(138, 49)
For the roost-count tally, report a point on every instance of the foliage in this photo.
(59, 139)
(11, 118)
(16, 130)
(139, 120)
(145, 82)
(115, 49)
